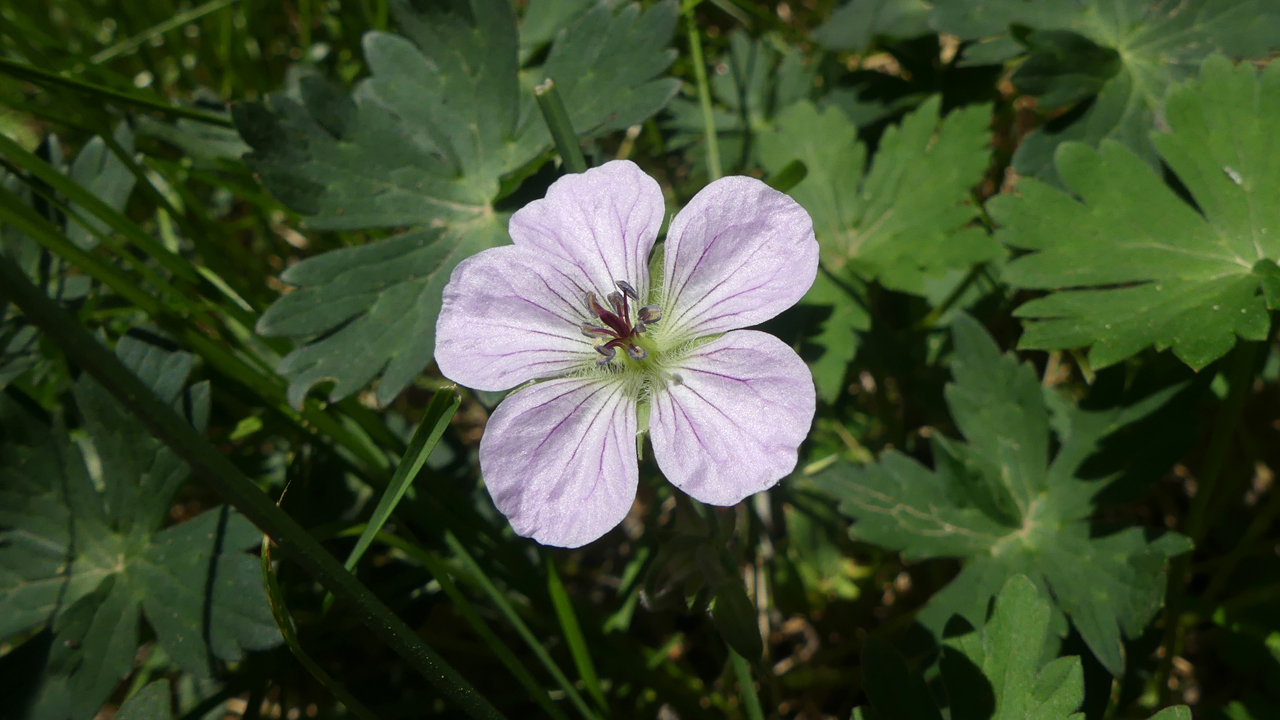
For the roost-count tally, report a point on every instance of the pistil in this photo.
(615, 327)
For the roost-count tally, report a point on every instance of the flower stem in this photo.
(704, 93)
(561, 128)
(223, 475)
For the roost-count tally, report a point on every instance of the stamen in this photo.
(635, 352)
(619, 305)
(594, 305)
(626, 288)
(649, 314)
(606, 353)
(593, 331)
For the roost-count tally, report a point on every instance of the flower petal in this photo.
(559, 459)
(731, 422)
(511, 315)
(738, 254)
(603, 221)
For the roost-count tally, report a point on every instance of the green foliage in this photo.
(760, 79)
(881, 225)
(1007, 506)
(1016, 518)
(97, 170)
(1133, 262)
(424, 144)
(857, 24)
(908, 219)
(996, 672)
(1133, 51)
(149, 703)
(83, 549)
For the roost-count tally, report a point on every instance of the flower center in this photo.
(615, 328)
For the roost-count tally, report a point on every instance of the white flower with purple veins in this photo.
(570, 305)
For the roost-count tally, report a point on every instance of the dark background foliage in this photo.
(1040, 480)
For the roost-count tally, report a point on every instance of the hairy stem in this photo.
(561, 128)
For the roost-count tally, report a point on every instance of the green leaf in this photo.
(856, 25)
(840, 334)
(1132, 264)
(423, 144)
(734, 616)
(1157, 43)
(434, 422)
(910, 216)
(763, 79)
(578, 645)
(893, 689)
(1007, 505)
(81, 546)
(1064, 67)
(149, 703)
(102, 174)
(1009, 653)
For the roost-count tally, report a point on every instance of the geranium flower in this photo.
(570, 305)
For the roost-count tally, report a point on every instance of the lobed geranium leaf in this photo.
(762, 80)
(857, 24)
(839, 336)
(423, 144)
(1007, 505)
(81, 547)
(1145, 47)
(149, 703)
(909, 216)
(1009, 652)
(1131, 263)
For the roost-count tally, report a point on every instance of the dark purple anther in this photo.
(615, 324)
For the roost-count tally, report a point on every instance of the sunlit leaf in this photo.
(1007, 505)
(1156, 44)
(910, 215)
(423, 144)
(1133, 264)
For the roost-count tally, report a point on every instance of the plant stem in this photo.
(215, 469)
(561, 128)
(704, 93)
(1240, 376)
(954, 296)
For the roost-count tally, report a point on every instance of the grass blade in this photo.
(746, 686)
(573, 636)
(439, 412)
(172, 23)
(35, 75)
(223, 475)
(513, 617)
(440, 571)
(281, 614)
